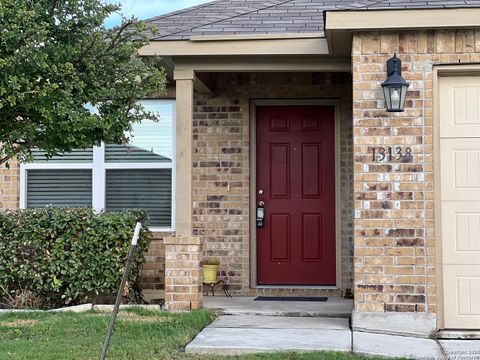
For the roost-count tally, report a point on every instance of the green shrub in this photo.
(67, 256)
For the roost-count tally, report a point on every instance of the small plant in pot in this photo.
(210, 270)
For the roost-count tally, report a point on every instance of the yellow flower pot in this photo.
(210, 273)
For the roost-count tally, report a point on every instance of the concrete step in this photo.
(461, 349)
(277, 322)
(396, 346)
(333, 307)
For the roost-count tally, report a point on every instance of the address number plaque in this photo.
(392, 153)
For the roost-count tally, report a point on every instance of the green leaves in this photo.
(55, 58)
(66, 256)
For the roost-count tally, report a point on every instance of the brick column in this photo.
(10, 185)
(183, 273)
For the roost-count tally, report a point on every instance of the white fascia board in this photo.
(402, 19)
(244, 47)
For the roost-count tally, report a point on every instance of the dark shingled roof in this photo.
(242, 17)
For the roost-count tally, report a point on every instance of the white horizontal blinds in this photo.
(150, 141)
(76, 156)
(59, 188)
(149, 189)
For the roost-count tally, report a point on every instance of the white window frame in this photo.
(99, 169)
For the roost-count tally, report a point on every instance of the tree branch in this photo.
(118, 35)
(110, 46)
(85, 52)
(52, 9)
(17, 150)
(5, 159)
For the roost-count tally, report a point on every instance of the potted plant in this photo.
(210, 269)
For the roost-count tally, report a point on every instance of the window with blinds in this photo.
(114, 177)
(59, 188)
(149, 189)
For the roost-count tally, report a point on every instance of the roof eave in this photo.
(340, 24)
(240, 45)
(402, 19)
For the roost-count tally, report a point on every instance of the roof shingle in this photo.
(243, 17)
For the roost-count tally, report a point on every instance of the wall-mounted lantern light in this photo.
(395, 86)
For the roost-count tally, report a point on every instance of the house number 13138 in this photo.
(391, 153)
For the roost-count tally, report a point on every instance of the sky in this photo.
(144, 9)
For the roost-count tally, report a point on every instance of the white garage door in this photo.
(460, 199)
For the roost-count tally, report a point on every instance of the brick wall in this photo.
(9, 186)
(394, 219)
(152, 277)
(221, 175)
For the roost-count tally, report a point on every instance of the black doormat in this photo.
(290, 298)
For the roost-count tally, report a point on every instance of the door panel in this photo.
(460, 200)
(311, 171)
(461, 156)
(461, 232)
(296, 171)
(462, 293)
(280, 170)
(312, 237)
(459, 99)
(280, 237)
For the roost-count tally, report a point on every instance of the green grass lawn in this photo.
(139, 334)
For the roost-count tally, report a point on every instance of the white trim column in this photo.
(184, 112)
(98, 178)
(23, 187)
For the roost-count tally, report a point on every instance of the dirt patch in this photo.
(19, 323)
(130, 316)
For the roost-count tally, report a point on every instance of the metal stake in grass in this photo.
(111, 327)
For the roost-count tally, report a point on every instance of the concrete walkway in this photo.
(254, 331)
(239, 334)
(244, 305)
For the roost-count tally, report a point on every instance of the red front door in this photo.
(296, 181)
